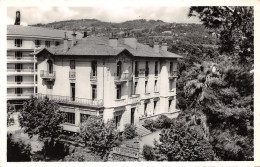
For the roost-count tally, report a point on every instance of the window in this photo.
(170, 102)
(146, 68)
(118, 68)
(117, 120)
(94, 92)
(18, 79)
(146, 89)
(50, 66)
(156, 68)
(132, 115)
(118, 91)
(47, 44)
(18, 91)
(18, 42)
(72, 91)
(171, 66)
(83, 117)
(37, 43)
(72, 64)
(136, 69)
(154, 106)
(18, 55)
(155, 86)
(135, 86)
(70, 117)
(18, 67)
(94, 68)
(57, 43)
(145, 109)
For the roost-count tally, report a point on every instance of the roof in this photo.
(99, 46)
(40, 32)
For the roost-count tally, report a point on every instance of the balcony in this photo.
(72, 75)
(120, 102)
(48, 75)
(172, 74)
(72, 100)
(121, 77)
(21, 84)
(134, 99)
(25, 71)
(19, 96)
(13, 59)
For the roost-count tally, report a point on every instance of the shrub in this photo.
(129, 131)
(17, 151)
(148, 152)
(163, 122)
(150, 125)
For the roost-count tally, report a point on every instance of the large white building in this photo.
(118, 79)
(21, 66)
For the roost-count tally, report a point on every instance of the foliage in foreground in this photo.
(42, 118)
(161, 122)
(17, 151)
(10, 111)
(99, 136)
(129, 131)
(183, 142)
(148, 153)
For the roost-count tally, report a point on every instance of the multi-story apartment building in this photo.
(21, 65)
(118, 79)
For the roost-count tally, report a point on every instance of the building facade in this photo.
(118, 79)
(21, 65)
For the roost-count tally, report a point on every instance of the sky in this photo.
(35, 15)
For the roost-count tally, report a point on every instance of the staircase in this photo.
(142, 131)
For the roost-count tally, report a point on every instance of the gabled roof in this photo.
(99, 46)
(40, 32)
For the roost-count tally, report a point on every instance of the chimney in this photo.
(73, 38)
(130, 41)
(85, 34)
(66, 43)
(156, 47)
(17, 18)
(164, 46)
(113, 40)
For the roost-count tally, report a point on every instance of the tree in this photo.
(17, 151)
(235, 28)
(10, 111)
(99, 136)
(183, 142)
(43, 118)
(129, 131)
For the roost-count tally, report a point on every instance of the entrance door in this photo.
(132, 115)
(72, 85)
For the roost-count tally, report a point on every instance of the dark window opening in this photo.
(146, 88)
(57, 43)
(18, 79)
(72, 64)
(18, 91)
(83, 117)
(94, 92)
(118, 68)
(156, 68)
(37, 43)
(47, 44)
(18, 67)
(145, 108)
(18, 42)
(118, 91)
(94, 68)
(171, 66)
(136, 69)
(146, 68)
(117, 120)
(132, 115)
(73, 93)
(70, 118)
(50, 66)
(18, 55)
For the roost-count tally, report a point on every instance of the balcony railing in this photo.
(120, 102)
(121, 77)
(48, 74)
(156, 94)
(134, 99)
(19, 96)
(72, 100)
(173, 74)
(20, 70)
(19, 58)
(72, 75)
